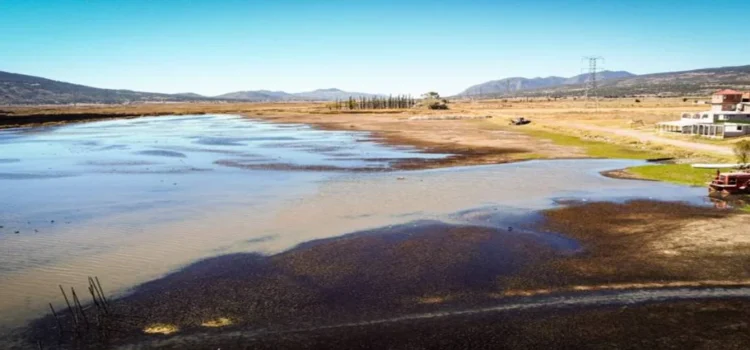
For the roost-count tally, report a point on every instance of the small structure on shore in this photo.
(730, 183)
(519, 121)
(729, 117)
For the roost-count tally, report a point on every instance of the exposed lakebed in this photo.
(132, 200)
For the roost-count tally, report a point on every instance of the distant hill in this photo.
(19, 89)
(330, 95)
(316, 95)
(257, 96)
(698, 82)
(27, 89)
(189, 94)
(514, 85)
(693, 82)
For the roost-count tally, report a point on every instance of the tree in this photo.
(432, 100)
(742, 152)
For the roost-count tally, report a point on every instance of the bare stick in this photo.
(70, 309)
(59, 325)
(93, 297)
(101, 290)
(99, 293)
(78, 304)
(92, 287)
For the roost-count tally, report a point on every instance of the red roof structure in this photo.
(728, 92)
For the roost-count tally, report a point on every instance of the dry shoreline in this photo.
(460, 154)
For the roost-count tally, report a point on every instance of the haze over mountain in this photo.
(517, 84)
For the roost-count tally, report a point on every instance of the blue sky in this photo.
(218, 46)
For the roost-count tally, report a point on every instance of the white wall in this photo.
(730, 130)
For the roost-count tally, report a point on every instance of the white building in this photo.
(729, 117)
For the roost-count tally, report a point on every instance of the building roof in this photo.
(727, 92)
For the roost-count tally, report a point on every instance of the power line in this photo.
(507, 87)
(591, 82)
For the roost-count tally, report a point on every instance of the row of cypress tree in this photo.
(375, 102)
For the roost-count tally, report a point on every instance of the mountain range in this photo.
(691, 82)
(509, 86)
(316, 95)
(19, 89)
(26, 89)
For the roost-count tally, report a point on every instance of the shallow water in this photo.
(131, 200)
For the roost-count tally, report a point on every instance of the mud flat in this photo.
(673, 325)
(645, 244)
(558, 278)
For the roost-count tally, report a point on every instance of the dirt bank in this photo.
(623, 174)
(643, 242)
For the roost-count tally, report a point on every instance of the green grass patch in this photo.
(683, 174)
(595, 149)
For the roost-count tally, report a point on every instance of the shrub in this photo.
(742, 152)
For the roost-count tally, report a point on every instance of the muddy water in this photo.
(131, 200)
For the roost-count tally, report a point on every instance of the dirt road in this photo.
(651, 137)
